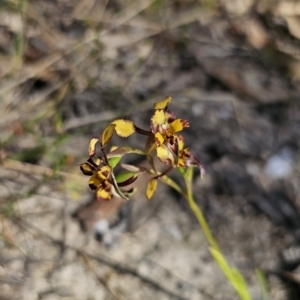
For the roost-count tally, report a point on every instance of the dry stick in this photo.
(117, 266)
(39, 170)
(99, 278)
(106, 116)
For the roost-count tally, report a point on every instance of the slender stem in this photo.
(165, 172)
(200, 217)
(170, 182)
(105, 157)
(142, 131)
(233, 275)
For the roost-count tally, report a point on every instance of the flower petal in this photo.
(104, 172)
(180, 142)
(86, 169)
(163, 104)
(164, 154)
(159, 139)
(92, 146)
(94, 182)
(170, 116)
(124, 128)
(107, 134)
(151, 188)
(178, 125)
(157, 120)
(104, 192)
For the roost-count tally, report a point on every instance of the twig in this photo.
(39, 170)
(99, 278)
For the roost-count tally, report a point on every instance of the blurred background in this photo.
(67, 68)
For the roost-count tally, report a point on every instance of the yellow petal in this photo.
(94, 182)
(98, 161)
(180, 142)
(103, 194)
(104, 172)
(86, 169)
(159, 118)
(124, 128)
(151, 188)
(181, 163)
(159, 139)
(164, 154)
(92, 146)
(107, 134)
(178, 125)
(162, 104)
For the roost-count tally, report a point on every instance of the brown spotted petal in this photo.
(104, 172)
(178, 125)
(94, 182)
(105, 191)
(86, 169)
(172, 143)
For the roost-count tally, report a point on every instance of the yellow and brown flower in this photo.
(164, 124)
(100, 178)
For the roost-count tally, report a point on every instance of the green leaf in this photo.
(114, 161)
(263, 284)
(119, 152)
(125, 176)
(118, 190)
(233, 275)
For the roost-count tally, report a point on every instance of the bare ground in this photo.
(69, 67)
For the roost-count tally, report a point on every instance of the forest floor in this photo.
(67, 68)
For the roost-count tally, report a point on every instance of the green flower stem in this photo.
(232, 274)
(200, 217)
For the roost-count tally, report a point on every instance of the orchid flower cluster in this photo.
(162, 139)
